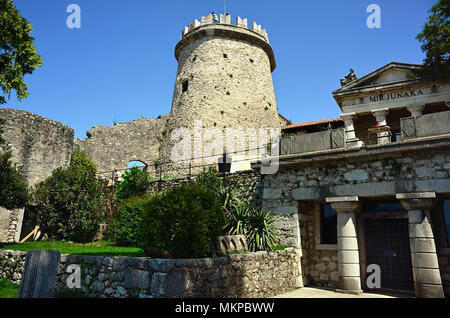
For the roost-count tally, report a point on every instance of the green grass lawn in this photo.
(100, 248)
(8, 289)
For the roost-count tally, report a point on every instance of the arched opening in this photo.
(136, 163)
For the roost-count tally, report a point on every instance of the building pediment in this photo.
(391, 74)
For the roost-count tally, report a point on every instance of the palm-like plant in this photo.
(256, 224)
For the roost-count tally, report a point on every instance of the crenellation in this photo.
(265, 35)
(256, 27)
(241, 22)
(225, 19)
(207, 20)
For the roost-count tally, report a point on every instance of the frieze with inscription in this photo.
(396, 95)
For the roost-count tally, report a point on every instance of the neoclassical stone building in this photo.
(374, 192)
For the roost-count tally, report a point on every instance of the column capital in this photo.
(416, 110)
(345, 204)
(416, 107)
(380, 112)
(417, 200)
(348, 116)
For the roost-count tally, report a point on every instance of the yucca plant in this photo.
(229, 198)
(261, 235)
(256, 224)
(237, 220)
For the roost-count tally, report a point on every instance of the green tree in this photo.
(435, 41)
(13, 186)
(18, 55)
(80, 161)
(135, 183)
(69, 204)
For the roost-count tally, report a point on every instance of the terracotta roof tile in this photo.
(313, 123)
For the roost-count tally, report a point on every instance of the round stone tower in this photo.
(224, 79)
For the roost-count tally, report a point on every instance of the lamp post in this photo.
(224, 165)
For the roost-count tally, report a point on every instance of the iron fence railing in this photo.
(161, 172)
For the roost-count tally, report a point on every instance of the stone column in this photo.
(425, 266)
(348, 251)
(380, 115)
(416, 110)
(350, 134)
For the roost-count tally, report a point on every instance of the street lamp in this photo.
(224, 165)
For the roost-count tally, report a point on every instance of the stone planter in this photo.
(228, 244)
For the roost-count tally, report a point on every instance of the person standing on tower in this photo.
(215, 18)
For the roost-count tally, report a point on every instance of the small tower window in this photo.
(225, 56)
(184, 86)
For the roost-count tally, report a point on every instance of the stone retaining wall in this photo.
(260, 274)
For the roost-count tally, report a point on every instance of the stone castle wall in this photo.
(260, 274)
(113, 147)
(39, 145)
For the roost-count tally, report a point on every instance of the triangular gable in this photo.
(389, 73)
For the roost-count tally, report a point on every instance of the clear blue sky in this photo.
(120, 65)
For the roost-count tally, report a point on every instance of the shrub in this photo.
(135, 183)
(256, 224)
(13, 186)
(228, 196)
(184, 222)
(123, 229)
(81, 162)
(68, 205)
(209, 180)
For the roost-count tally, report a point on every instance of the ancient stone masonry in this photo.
(260, 274)
(10, 225)
(113, 147)
(223, 80)
(39, 145)
(319, 266)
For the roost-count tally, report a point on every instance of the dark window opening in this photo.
(447, 219)
(373, 206)
(185, 86)
(251, 61)
(328, 225)
(225, 56)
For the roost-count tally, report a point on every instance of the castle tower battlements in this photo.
(225, 20)
(240, 30)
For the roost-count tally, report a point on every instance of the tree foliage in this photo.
(18, 55)
(13, 186)
(184, 222)
(435, 41)
(135, 183)
(69, 204)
